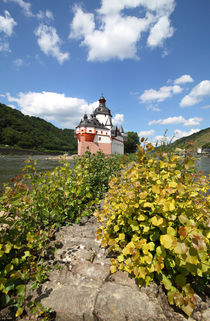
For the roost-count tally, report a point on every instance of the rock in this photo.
(205, 316)
(7, 314)
(117, 302)
(74, 302)
(83, 289)
(123, 279)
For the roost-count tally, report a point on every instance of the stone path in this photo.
(84, 289)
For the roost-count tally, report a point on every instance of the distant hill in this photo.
(199, 139)
(21, 131)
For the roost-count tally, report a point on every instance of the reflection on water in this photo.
(12, 165)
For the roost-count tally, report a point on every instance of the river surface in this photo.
(12, 165)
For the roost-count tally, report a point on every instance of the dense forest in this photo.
(199, 139)
(22, 131)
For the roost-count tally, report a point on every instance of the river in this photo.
(12, 165)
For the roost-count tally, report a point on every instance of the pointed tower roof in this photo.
(102, 108)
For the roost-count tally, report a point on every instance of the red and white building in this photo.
(98, 134)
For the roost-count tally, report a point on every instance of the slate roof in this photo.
(91, 122)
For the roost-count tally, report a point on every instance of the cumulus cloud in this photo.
(118, 119)
(197, 94)
(45, 14)
(160, 31)
(7, 23)
(159, 95)
(118, 34)
(179, 134)
(157, 140)
(194, 121)
(65, 111)
(146, 133)
(183, 79)
(49, 42)
(26, 6)
(160, 139)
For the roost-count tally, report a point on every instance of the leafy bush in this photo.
(33, 208)
(155, 219)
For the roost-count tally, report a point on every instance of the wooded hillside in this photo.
(22, 131)
(199, 139)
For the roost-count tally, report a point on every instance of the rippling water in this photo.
(12, 165)
(203, 165)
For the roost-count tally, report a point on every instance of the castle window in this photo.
(90, 131)
(99, 138)
(102, 132)
(96, 132)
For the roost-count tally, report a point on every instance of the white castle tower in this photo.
(98, 134)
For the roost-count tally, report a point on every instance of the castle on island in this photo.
(97, 133)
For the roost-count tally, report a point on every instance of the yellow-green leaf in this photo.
(157, 220)
(19, 312)
(156, 189)
(121, 236)
(166, 240)
(120, 258)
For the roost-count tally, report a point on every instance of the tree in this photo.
(132, 142)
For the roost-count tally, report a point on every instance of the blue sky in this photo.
(150, 59)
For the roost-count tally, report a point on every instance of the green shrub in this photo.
(31, 211)
(155, 219)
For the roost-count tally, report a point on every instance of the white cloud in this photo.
(183, 79)
(161, 6)
(176, 135)
(64, 111)
(49, 42)
(146, 133)
(158, 140)
(7, 23)
(26, 6)
(4, 46)
(197, 94)
(118, 119)
(179, 134)
(165, 53)
(118, 34)
(82, 25)
(153, 108)
(160, 95)
(18, 62)
(194, 121)
(159, 32)
(45, 14)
